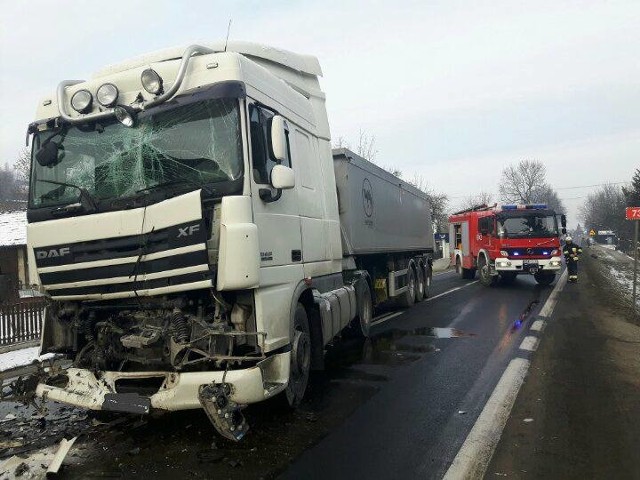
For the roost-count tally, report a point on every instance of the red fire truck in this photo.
(505, 241)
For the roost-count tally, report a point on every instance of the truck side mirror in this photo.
(564, 231)
(563, 220)
(282, 177)
(279, 131)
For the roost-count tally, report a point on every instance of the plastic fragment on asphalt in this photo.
(462, 412)
(63, 449)
(528, 420)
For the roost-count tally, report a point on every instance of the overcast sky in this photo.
(452, 91)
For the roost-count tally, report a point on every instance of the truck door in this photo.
(278, 221)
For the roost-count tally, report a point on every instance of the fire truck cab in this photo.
(501, 242)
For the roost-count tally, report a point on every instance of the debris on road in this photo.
(528, 420)
(63, 449)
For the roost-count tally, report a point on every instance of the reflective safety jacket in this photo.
(571, 252)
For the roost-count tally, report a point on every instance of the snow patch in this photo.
(19, 358)
(13, 228)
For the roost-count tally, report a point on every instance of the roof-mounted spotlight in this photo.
(151, 81)
(81, 101)
(107, 95)
(125, 115)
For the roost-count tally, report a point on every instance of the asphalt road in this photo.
(397, 406)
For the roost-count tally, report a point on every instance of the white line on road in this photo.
(529, 343)
(451, 291)
(476, 452)
(443, 273)
(384, 318)
(474, 456)
(538, 326)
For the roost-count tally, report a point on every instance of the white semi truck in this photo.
(199, 241)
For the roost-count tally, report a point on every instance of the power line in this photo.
(588, 186)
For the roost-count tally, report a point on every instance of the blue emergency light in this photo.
(509, 207)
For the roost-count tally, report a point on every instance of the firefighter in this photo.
(571, 253)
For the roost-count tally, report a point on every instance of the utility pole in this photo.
(633, 213)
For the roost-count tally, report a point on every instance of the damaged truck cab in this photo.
(183, 220)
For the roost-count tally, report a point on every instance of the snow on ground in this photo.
(13, 228)
(619, 268)
(18, 358)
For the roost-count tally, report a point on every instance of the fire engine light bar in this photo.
(537, 206)
(509, 207)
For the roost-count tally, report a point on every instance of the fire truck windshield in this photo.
(181, 148)
(521, 225)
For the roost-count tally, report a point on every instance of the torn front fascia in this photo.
(225, 415)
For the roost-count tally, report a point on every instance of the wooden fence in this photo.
(21, 321)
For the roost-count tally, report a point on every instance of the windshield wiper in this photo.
(85, 197)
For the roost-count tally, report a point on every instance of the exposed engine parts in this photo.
(195, 334)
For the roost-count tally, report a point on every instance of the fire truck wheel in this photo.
(544, 278)
(486, 278)
(408, 298)
(420, 283)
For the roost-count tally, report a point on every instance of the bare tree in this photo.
(482, 198)
(519, 182)
(22, 165)
(548, 196)
(366, 147)
(340, 142)
(603, 211)
(439, 202)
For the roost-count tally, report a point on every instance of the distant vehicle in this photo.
(506, 241)
(200, 241)
(606, 238)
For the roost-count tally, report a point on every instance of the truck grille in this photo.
(162, 258)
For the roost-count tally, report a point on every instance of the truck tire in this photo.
(428, 276)
(408, 298)
(420, 284)
(300, 364)
(486, 278)
(544, 279)
(361, 325)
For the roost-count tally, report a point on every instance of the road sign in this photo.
(633, 213)
(592, 233)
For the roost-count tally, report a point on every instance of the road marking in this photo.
(474, 456)
(476, 451)
(443, 273)
(529, 343)
(538, 326)
(384, 318)
(451, 291)
(550, 304)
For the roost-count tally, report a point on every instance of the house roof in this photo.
(13, 228)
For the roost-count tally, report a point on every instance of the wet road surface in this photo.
(397, 405)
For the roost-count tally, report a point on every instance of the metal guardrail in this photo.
(21, 321)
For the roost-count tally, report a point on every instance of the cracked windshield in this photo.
(190, 146)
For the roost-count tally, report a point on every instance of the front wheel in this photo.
(544, 279)
(300, 363)
(486, 278)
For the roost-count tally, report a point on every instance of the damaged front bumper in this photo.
(177, 391)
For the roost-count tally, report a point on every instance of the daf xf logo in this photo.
(188, 231)
(54, 252)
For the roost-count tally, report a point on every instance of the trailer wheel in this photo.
(300, 363)
(486, 278)
(361, 325)
(408, 298)
(428, 276)
(420, 284)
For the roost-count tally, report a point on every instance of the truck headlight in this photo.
(555, 263)
(151, 81)
(81, 101)
(504, 253)
(107, 95)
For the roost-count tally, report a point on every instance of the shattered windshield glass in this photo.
(532, 225)
(185, 147)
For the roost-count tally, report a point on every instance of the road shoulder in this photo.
(576, 415)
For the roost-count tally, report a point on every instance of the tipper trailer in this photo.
(199, 241)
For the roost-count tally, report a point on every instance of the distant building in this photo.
(14, 270)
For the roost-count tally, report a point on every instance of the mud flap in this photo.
(225, 415)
